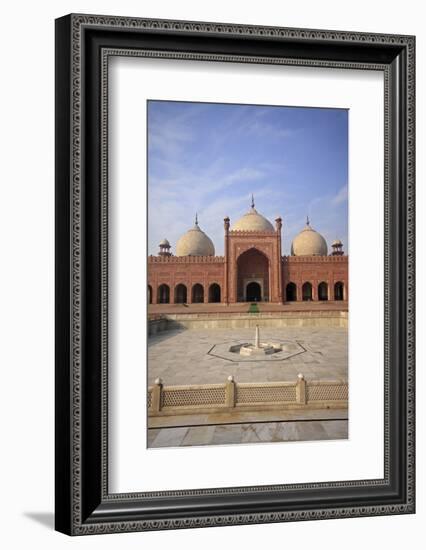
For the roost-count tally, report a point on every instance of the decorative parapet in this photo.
(233, 397)
(186, 259)
(315, 259)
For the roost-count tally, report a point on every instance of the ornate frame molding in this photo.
(84, 505)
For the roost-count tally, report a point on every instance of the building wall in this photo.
(206, 270)
(315, 270)
(185, 270)
(268, 244)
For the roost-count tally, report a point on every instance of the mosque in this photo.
(252, 269)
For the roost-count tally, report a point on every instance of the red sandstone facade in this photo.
(252, 269)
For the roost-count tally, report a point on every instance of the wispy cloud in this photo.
(341, 196)
(209, 158)
(262, 129)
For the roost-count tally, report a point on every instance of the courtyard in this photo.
(190, 357)
(254, 432)
(186, 357)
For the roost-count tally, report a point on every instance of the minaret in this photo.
(164, 248)
(337, 247)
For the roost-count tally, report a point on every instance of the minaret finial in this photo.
(252, 200)
(196, 218)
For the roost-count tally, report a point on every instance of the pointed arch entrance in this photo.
(197, 294)
(252, 276)
(338, 291)
(307, 292)
(291, 292)
(253, 292)
(323, 291)
(214, 293)
(180, 294)
(163, 294)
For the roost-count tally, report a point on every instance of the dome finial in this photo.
(252, 200)
(307, 220)
(196, 218)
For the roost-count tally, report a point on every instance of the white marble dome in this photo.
(195, 243)
(309, 243)
(253, 221)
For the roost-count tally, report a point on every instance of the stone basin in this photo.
(262, 349)
(278, 351)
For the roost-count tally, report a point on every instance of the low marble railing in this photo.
(232, 396)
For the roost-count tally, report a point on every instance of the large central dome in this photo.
(253, 221)
(195, 243)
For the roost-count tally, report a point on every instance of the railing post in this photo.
(230, 392)
(156, 395)
(301, 389)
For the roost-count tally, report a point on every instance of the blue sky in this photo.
(209, 158)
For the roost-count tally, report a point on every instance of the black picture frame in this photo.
(83, 504)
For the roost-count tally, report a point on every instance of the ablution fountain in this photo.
(258, 348)
(272, 350)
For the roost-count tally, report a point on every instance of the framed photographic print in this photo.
(234, 274)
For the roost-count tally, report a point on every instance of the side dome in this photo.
(253, 221)
(195, 243)
(309, 243)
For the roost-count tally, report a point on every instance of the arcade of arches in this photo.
(324, 292)
(181, 294)
(252, 268)
(322, 279)
(250, 291)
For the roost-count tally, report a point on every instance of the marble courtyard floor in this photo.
(255, 432)
(181, 357)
